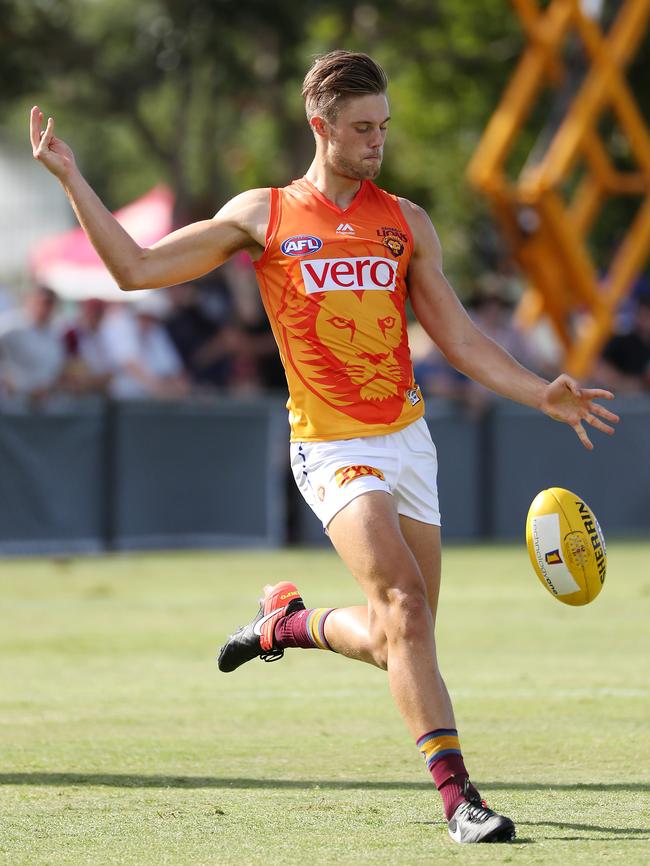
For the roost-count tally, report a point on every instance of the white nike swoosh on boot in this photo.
(257, 628)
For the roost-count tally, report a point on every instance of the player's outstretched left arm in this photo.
(473, 353)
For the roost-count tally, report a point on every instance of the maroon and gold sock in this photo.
(303, 628)
(441, 751)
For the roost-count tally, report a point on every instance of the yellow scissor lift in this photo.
(547, 234)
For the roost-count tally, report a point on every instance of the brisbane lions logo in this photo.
(350, 347)
(395, 245)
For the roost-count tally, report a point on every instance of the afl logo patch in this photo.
(301, 245)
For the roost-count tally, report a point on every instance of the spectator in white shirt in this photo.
(32, 357)
(143, 359)
(89, 368)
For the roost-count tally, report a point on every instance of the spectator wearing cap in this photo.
(143, 359)
(32, 358)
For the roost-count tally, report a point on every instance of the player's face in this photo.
(356, 138)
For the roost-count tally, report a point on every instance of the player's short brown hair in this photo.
(337, 76)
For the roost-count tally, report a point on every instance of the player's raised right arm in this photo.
(181, 256)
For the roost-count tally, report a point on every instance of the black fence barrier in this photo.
(53, 479)
(90, 476)
(198, 475)
(531, 452)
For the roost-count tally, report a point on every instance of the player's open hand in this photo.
(55, 154)
(564, 400)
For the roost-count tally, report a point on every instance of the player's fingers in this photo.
(591, 393)
(35, 127)
(598, 425)
(582, 436)
(46, 137)
(570, 383)
(596, 409)
(49, 130)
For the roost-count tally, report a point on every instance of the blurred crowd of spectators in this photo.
(624, 365)
(212, 336)
(195, 338)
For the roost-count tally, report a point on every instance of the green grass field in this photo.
(122, 744)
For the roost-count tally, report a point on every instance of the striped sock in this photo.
(303, 628)
(441, 751)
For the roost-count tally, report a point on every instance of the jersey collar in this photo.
(354, 204)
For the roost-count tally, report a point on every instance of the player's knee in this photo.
(406, 614)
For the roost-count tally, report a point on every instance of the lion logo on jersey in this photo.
(362, 333)
(350, 348)
(395, 245)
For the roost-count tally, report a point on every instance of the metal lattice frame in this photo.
(547, 234)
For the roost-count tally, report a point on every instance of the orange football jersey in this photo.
(333, 283)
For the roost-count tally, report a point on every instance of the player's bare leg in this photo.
(349, 629)
(368, 537)
(397, 563)
(395, 631)
(424, 542)
(348, 632)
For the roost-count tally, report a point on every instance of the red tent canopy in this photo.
(69, 264)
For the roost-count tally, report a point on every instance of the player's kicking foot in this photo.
(473, 821)
(255, 640)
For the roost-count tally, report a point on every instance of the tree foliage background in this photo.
(205, 94)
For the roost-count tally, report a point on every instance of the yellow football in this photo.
(566, 546)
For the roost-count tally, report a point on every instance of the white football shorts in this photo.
(404, 464)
